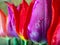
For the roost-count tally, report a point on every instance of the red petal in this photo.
(3, 18)
(25, 14)
(56, 36)
(29, 12)
(54, 22)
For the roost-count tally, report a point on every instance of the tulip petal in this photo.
(54, 21)
(2, 23)
(11, 24)
(56, 36)
(40, 21)
(23, 15)
(29, 12)
(25, 18)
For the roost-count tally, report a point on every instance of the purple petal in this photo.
(40, 21)
(11, 27)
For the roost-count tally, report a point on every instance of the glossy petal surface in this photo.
(55, 19)
(40, 20)
(56, 36)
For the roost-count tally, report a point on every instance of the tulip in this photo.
(18, 19)
(54, 21)
(25, 14)
(11, 20)
(40, 20)
(3, 18)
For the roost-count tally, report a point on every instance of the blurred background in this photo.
(15, 2)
